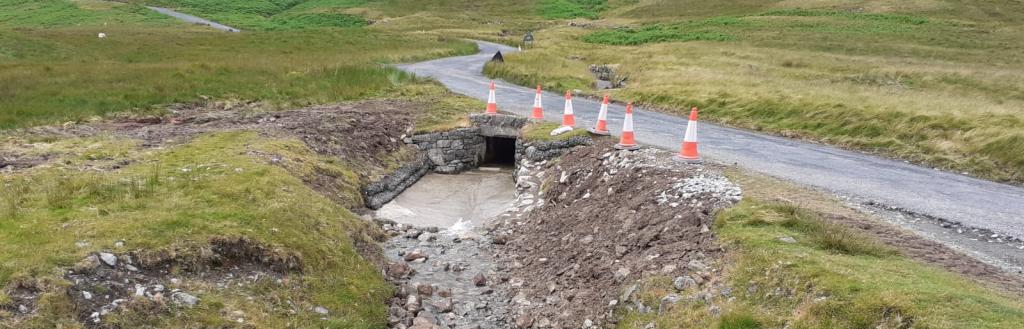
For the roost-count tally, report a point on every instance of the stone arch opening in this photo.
(499, 151)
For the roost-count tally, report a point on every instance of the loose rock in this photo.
(108, 259)
(479, 280)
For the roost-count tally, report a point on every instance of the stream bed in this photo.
(439, 256)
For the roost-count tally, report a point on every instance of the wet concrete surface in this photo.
(456, 203)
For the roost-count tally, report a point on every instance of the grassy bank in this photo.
(180, 198)
(923, 84)
(541, 132)
(829, 277)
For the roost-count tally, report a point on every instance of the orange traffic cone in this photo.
(538, 107)
(492, 106)
(568, 119)
(602, 119)
(627, 141)
(689, 151)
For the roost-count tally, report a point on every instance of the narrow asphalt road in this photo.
(972, 202)
(194, 20)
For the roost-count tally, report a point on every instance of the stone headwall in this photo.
(546, 150)
(452, 151)
(498, 125)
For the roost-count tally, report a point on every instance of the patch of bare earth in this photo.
(23, 298)
(361, 134)
(608, 219)
(147, 283)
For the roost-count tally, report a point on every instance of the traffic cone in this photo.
(568, 119)
(538, 107)
(602, 119)
(492, 106)
(689, 151)
(627, 141)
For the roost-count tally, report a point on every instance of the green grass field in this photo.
(939, 82)
(66, 73)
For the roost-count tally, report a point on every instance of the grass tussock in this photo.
(827, 236)
(518, 76)
(829, 278)
(569, 9)
(541, 131)
(185, 196)
(447, 110)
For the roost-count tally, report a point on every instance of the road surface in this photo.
(194, 20)
(865, 179)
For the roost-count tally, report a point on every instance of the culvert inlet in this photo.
(499, 151)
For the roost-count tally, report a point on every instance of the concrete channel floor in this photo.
(457, 203)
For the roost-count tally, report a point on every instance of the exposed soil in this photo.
(152, 283)
(609, 218)
(360, 134)
(11, 162)
(23, 295)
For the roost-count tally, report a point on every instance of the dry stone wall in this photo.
(545, 150)
(452, 152)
